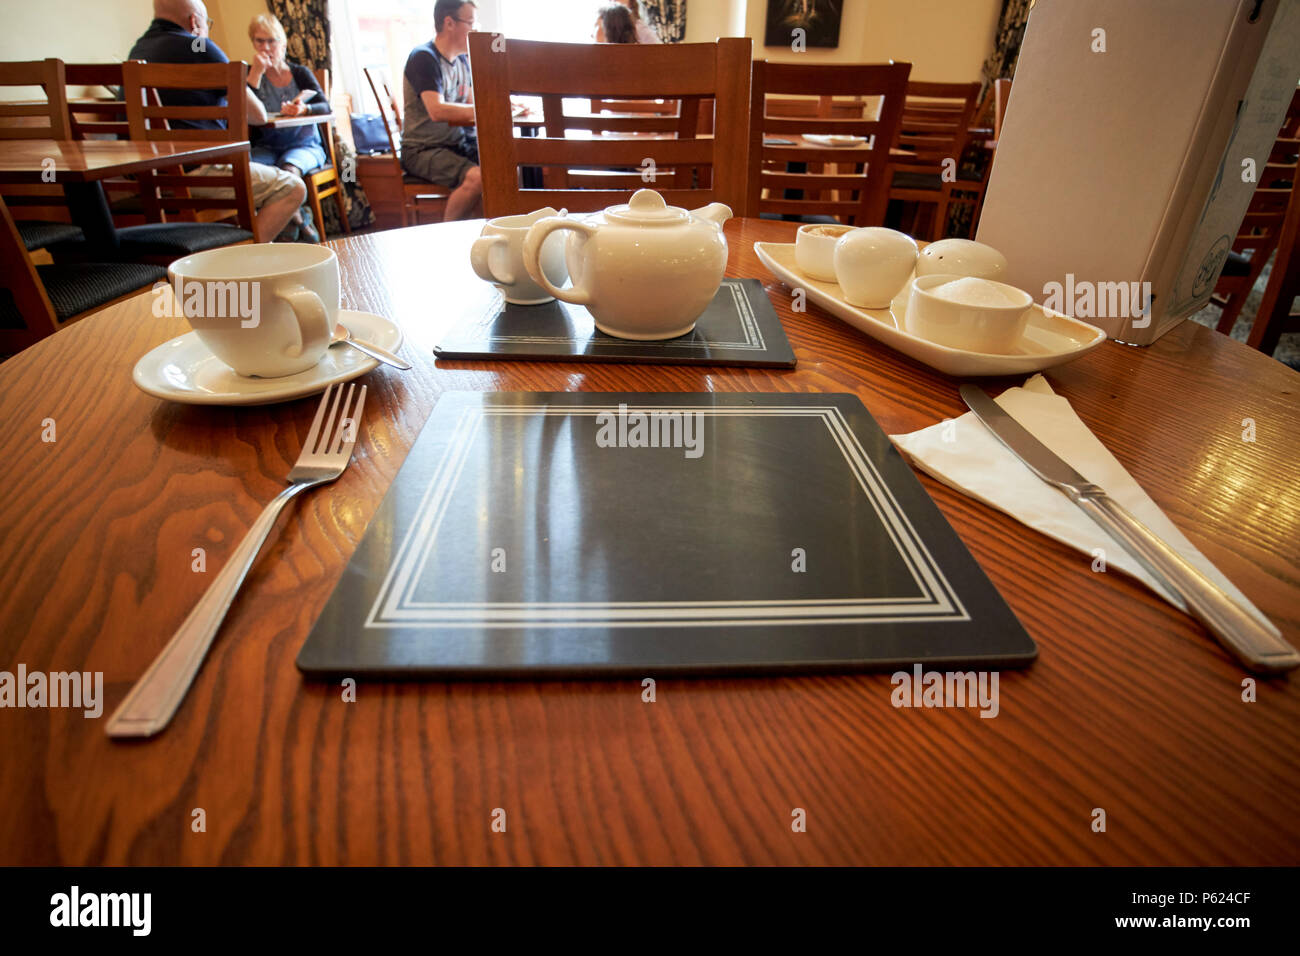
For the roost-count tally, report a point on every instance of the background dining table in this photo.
(1131, 707)
(81, 166)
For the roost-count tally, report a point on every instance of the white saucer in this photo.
(1050, 338)
(819, 139)
(183, 370)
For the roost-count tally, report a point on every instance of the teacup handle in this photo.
(313, 323)
(537, 233)
(478, 258)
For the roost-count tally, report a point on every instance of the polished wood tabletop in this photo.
(83, 161)
(1131, 707)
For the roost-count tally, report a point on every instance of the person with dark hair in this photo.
(614, 25)
(438, 91)
(179, 34)
(645, 33)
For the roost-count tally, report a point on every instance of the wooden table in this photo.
(81, 166)
(1131, 707)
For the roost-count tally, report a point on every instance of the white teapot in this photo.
(644, 269)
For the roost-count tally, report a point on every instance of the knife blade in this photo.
(1232, 625)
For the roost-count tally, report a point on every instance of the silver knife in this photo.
(1234, 627)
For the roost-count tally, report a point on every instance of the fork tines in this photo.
(327, 439)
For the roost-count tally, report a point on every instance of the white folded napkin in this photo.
(965, 455)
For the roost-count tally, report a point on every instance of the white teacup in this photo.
(814, 250)
(497, 256)
(966, 312)
(266, 310)
(872, 263)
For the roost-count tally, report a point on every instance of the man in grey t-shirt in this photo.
(438, 92)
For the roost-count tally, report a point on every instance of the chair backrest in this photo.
(48, 120)
(387, 113)
(99, 118)
(21, 292)
(683, 159)
(390, 107)
(167, 192)
(1261, 227)
(151, 120)
(856, 194)
(327, 130)
(935, 124)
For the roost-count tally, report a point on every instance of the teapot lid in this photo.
(647, 207)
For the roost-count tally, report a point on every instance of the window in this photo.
(382, 33)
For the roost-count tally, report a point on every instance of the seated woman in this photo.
(289, 89)
(614, 24)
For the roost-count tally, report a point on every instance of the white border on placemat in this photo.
(394, 608)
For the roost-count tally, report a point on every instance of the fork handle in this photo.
(149, 706)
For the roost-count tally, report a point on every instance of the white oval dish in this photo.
(1050, 338)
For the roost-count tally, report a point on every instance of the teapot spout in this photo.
(715, 212)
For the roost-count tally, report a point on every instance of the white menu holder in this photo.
(1123, 155)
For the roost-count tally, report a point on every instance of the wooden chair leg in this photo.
(313, 199)
(343, 210)
(1231, 309)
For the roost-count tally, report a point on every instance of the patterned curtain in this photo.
(307, 24)
(1006, 42)
(668, 17)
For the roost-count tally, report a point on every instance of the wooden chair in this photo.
(856, 196)
(97, 119)
(615, 145)
(105, 119)
(417, 194)
(1261, 229)
(36, 301)
(934, 129)
(39, 209)
(172, 210)
(323, 181)
(48, 120)
(1277, 312)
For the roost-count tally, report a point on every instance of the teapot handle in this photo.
(537, 234)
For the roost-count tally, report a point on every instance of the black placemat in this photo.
(553, 535)
(739, 327)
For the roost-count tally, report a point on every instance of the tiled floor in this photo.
(1288, 349)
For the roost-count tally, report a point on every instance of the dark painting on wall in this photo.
(819, 21)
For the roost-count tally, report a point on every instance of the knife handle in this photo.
(1234, 627)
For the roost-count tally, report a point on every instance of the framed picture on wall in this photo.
(818, 19)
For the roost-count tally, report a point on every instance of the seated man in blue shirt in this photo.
(438, 91)
(179, 34)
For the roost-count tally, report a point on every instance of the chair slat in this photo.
(843, 94)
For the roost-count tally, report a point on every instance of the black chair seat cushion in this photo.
(74, 288)
(931, 182)
(162, 239)
(38, 235)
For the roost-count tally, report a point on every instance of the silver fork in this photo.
(149, 707)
